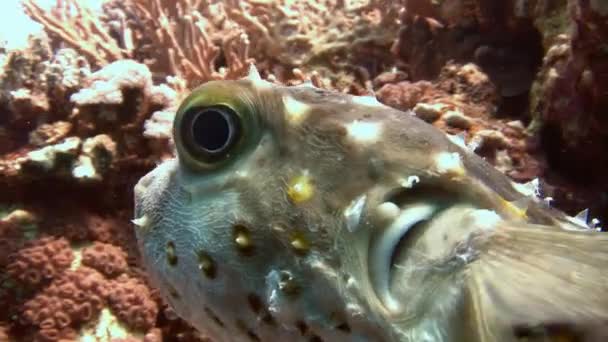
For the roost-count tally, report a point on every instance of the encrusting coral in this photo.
(87, 108)
(40, 261)
(77, 289)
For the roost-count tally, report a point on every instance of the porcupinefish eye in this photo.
(213, 125)
(210, 133)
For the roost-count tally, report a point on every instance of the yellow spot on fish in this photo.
(171, 255)
(242, 239)
(300, 188)
(299, 243)
(449, 163)
(295, 110)
(364, 132)
(513, 209)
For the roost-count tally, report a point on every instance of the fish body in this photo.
(301, 214)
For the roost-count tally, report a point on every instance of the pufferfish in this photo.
(301, 214)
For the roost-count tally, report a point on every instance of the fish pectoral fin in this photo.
(528, 276)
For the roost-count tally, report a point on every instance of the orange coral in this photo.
(73, 298)
(131, 301)
(40, 261)
(107, 259)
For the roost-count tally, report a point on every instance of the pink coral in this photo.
(73, 298)
(107, 259)
(40, 261)
(130, 299)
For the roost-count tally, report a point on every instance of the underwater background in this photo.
(86, 109)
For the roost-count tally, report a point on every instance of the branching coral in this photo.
(192, 50)
(79, 27)
(205, 40)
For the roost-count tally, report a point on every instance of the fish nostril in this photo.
(288, 284)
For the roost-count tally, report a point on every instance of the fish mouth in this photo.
(418, 234)
(384, 250)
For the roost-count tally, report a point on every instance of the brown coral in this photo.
(78, 26)
(130, 299)
(73, 298)
(107, 259)
(40, 261)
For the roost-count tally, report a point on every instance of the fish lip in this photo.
(382, 249)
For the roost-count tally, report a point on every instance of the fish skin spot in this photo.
(171, 253)
(299, 243)
(364, 132)
(206, 265)
(242, 239)
(295, 111)
(449, 163)
(300, 188)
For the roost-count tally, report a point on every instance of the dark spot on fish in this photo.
(172, 291)
(302, 327)
(315, 338)
(213, 316)
(253, 336)
(267, 318)
(242, 327)
(255, 303)
(171, 254)
(343, 327)
(206, 264)
(375, 168)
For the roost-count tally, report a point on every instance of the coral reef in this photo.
(87, 107)
(40, 261)
(105, 258)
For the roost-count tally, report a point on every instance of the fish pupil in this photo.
(212, 130)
